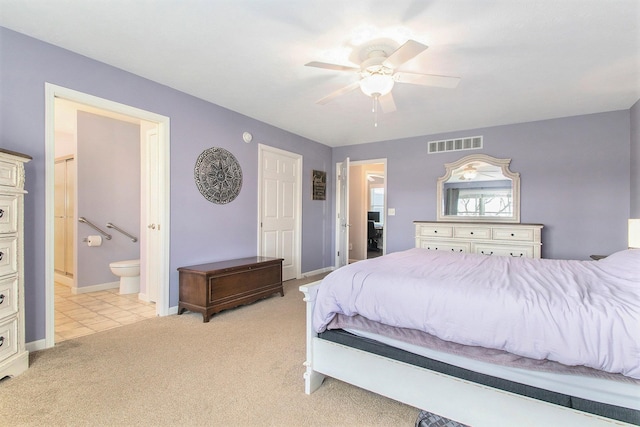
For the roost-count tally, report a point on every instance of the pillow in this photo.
(624, 264)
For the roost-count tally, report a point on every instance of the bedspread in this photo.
(572, 312)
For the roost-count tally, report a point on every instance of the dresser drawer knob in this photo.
(517, 256)
(512, 234)
(1, 213)
(435, 231)
(472, 232)
(1, 298)
(483, 253)
(1, 341)
(1, 255)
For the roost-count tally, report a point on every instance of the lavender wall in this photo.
(575, 171)
(575, 175)
(635, 160)
(108, 191)
(200, 231)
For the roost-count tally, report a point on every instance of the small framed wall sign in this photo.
(319, 185)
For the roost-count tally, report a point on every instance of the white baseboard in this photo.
(64, 280)
(173, 310)
(35, 345)
(95, 288)
(316, 272)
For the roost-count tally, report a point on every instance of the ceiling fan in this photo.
(470, 172)
(378, 73)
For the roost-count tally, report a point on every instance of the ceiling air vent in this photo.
(471, 143)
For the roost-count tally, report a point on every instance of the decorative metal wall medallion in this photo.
(218, 175)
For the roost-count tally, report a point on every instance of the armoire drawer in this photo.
(8, 174)
(8, 338)
(8, 297)
(8, 250)
(8, 213)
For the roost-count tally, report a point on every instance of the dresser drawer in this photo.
(472, 232)
(498, 250)
(8, 174)
(8, 338)
(433, 245)
(8, 297)
(516, 234)
(433, 230)
(8, 213)
(8, 250)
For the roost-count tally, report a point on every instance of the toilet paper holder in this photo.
(93, 240)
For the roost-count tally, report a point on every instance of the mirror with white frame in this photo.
(479, 188)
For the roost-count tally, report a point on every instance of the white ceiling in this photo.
(518, 60)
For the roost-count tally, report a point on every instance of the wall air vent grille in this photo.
(459, 144)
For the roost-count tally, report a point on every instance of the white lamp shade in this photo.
(634, 233)
(376, 84)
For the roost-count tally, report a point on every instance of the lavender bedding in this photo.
(577, 313)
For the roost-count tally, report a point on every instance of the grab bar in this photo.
(90, 224)
(110, 225)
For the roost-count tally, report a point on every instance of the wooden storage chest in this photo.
(210, 288)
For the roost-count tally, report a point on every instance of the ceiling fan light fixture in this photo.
(376, 84)
(469, 172)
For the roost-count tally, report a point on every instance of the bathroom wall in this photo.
(108, 191)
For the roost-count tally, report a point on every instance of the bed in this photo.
(485, 341)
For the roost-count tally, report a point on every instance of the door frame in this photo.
(342, 213)
(298, 208)
(161, 255)
(337, 202)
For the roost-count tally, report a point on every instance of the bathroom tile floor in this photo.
(84, 314)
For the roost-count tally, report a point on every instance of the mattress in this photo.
(618, 400)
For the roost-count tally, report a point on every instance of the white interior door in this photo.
(150, 221)
(343, 213)
(280, 208)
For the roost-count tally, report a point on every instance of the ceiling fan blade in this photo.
(427, 80)
(338, 93)
(331, 66)
(387, 103)
(404, 53)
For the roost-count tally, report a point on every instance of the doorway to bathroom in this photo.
(115, 210)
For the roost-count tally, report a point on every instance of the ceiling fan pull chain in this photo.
(375, 110)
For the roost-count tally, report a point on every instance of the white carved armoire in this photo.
(14, 359)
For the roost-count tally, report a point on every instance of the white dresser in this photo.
(517, 240)
(14, 359)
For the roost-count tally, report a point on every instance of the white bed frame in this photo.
(460, 400)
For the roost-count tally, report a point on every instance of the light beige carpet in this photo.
(243, 368)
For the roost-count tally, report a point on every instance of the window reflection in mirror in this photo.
(479, 187)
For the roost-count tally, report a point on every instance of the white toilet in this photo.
(129, 273)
